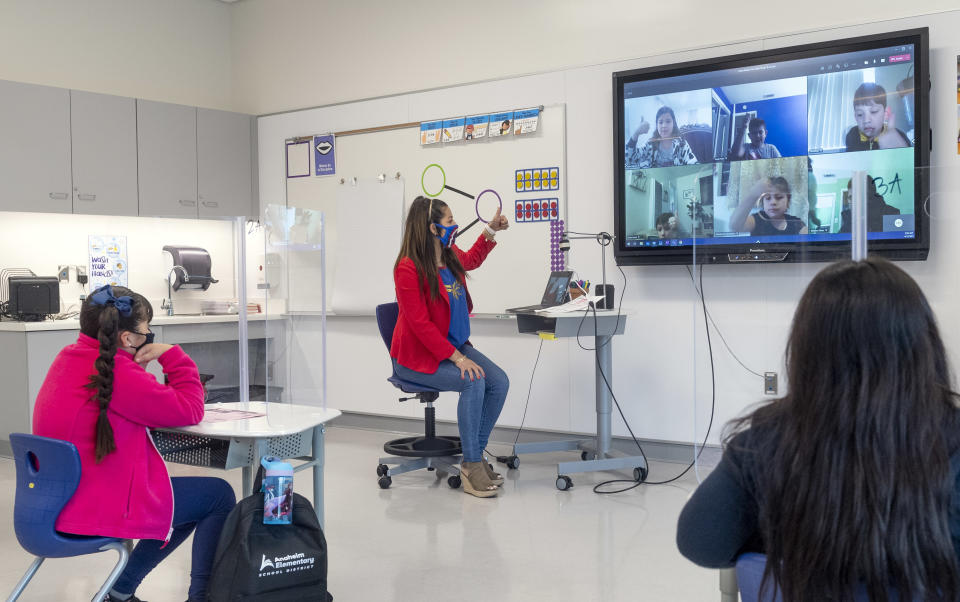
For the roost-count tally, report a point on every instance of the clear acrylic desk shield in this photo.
(291, 286)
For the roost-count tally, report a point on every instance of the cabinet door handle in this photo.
(188, 203)
(210, 203)
(86, 197)
(59, 196)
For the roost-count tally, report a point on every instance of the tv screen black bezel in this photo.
(812, 251)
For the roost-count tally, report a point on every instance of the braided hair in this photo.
(104, 323)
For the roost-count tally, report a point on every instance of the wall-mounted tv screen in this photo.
(751, 157)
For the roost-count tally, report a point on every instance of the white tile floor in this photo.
(422, 541)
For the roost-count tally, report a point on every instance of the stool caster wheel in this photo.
(584, 455)
(454, 482)
(382, 470)
(384, 482)
(513, 462)
(564, 482)
(640, 474)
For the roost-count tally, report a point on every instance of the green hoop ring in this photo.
(422, 187)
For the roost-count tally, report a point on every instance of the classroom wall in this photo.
(662, 369)
(291, 54)
(171, 50)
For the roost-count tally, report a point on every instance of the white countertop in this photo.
(280, 419)
(159, 320)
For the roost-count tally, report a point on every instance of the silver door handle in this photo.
(86, 197)
(60, 196)
(188, 203)
(210, 204)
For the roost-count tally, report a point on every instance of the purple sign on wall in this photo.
(324, 156)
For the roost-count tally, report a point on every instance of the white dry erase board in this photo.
(364, 216)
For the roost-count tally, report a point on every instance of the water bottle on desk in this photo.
(277, 491)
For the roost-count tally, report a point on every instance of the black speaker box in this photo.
(606, 291)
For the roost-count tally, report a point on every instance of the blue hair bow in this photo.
(104, 296)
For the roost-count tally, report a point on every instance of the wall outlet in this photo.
(63, 273)
(769, 383)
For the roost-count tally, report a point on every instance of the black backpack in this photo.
(270, 563)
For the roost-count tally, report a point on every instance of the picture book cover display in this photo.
(765, 152)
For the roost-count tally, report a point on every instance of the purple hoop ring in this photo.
(476, 206)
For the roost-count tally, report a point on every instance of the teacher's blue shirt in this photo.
(459, 313)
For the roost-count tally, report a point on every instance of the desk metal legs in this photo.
(314, 461)
(317, 458)
(595, 452)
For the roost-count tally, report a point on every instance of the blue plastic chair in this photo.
(430, 451)
(750, 568)
(48, 472)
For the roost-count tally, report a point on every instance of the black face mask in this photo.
(149, 339)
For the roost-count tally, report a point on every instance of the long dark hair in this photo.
(418, 244)
(853, 464)
(104, 323)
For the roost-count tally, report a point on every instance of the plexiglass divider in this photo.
(292, 281)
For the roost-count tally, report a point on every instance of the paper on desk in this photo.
(226, 415)
(578, 304)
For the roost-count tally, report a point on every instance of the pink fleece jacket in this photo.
(128, 494)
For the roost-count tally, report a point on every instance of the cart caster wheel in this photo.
(513, 462)
(382, 470)
(584, 455)
(454, 482)
(640, 474)
(384, 482)
(564, 482)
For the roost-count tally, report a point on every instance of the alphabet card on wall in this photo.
(107, 260)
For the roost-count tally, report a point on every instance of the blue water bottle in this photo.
(277, 491)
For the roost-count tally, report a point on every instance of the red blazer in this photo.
(420, 338)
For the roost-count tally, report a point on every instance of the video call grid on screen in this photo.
(802, 126)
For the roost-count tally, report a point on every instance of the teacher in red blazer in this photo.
(431, 343)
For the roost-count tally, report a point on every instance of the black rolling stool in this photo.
(441, 453)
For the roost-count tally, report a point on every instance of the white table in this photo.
(285, 431)
(596, 452)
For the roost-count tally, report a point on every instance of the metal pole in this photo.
(239, 223)
(858, 216)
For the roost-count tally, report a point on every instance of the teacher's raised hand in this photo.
(498, 222)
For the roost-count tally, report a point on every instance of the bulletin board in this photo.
(365, 201)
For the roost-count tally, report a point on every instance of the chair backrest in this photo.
(750, 568)
(387, 314)
(48, 472)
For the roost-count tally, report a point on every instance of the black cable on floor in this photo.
(713, 405)
(525, 406)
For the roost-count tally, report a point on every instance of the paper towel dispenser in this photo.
(195, 261)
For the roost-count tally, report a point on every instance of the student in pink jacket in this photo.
(98, 396)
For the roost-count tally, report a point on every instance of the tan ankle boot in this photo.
(495, 477)
(475, 480)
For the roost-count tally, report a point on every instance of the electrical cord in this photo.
(713, 405)
(526, 405)
(720, 334)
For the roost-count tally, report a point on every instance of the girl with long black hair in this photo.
(851, 479)
(98, 395)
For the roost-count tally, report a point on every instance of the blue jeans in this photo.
(200, 503)
(480, 400)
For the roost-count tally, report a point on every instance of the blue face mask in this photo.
(446, 239)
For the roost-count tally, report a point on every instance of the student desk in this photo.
(595, 452)
(286, 431)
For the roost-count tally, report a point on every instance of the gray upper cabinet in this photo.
(167, 153)
(224, 163)
(104, 140)
(34, 148)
